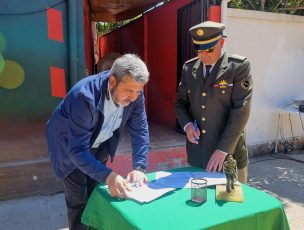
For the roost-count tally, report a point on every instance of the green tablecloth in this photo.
(172, 211)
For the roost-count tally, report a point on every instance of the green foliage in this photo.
(107, 27)
(295, 7)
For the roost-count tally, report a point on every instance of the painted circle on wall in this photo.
(12, 75)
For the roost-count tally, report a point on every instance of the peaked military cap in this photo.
(206, 34)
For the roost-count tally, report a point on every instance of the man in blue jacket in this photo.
(84, 130)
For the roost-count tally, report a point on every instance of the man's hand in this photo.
(216, 161)
(192, 134)
(118, 186)
(137, 177)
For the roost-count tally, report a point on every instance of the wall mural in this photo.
(11, 73)
(33, 40)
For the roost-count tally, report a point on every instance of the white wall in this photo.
(274, 44)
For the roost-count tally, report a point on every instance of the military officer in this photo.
(213, 102)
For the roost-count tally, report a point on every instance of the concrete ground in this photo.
(282, 178)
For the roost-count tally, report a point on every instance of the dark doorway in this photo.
(188, 16)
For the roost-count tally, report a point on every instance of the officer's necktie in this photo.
(208, 67)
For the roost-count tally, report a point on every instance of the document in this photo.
(183, 179)
(147, 192)
(169, 181)
(212, 178)
(173, 179)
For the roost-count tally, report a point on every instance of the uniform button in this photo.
(203, 119)
(203, 131)
(203, 106)
(223, 92)
(189, 91)
(204, 94)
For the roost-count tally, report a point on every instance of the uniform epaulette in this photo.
(237, 57)
(191, 60)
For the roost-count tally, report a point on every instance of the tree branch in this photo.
(251, 4)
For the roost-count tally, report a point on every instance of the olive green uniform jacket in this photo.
(221, 105)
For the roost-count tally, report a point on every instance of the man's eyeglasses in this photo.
(210, 50)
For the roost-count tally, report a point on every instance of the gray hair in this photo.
(130, 65)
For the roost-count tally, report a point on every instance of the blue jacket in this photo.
(77, 121)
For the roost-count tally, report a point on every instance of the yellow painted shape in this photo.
(236, 196)
(12, 75)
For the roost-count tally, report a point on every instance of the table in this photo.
(290, 109)
(172, 211)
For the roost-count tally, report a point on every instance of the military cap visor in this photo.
(205, 46)
(206, 35)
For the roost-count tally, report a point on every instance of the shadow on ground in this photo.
(282, 177)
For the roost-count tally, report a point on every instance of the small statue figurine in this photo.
(230, 171)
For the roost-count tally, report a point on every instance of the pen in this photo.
(195, 128)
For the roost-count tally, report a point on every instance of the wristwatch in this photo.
(141, 169)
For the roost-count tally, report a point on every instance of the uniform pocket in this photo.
(222, 95)
(194, 95)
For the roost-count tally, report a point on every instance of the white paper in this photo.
(147, 192)
(168, 181)
(212, 178)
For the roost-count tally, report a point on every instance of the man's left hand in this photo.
(216, 161)
(137, 177)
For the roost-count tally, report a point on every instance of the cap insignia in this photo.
(200, 32)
